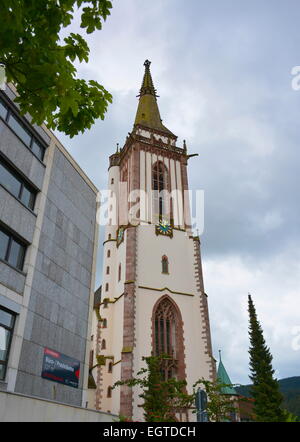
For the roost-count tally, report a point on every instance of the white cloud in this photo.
(228, 281)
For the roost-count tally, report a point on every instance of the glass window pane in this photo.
(4, 240)
(4, 343)
(16, 255)
(27, 197)
(3, 110)
(37, 149)
(8, 180)
(19, 129)
(6, 318)
(2, 371)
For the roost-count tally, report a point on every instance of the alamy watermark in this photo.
(296, 80)
(138, 207)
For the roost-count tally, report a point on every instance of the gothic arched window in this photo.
(110, 367)
(103, 344)
(168, 337)
(160, 186)
(165, 264)
(109, 390)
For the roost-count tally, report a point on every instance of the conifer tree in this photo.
(265, 389)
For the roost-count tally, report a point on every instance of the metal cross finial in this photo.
(147, 64)
(117, 147)
(220, 355)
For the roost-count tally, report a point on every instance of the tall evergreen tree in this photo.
(265, 389)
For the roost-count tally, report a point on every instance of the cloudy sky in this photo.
(223, 73)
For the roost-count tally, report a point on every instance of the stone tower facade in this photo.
(153, 299)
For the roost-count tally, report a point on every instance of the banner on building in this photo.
(60, 368)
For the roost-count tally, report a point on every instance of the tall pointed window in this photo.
(168, 337)
(160, 187)
(165, 264)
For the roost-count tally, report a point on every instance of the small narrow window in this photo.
(106, 287)
(104, 323)
(108, 253)
(109, 236)
(165, 264)
(110, 367)
(112, 181)
(120, 272)
(103, 344)
(109, 392)
(92, 337)
(107, 270)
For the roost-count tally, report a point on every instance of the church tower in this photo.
(152, 299)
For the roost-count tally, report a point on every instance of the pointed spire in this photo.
(147, 84)
(147, 112)
(223, 378)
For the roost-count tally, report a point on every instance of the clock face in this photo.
(164, 228)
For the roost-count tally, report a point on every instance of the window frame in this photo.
(25, 126)
(23, 184)
(4, 362)
(21, 243)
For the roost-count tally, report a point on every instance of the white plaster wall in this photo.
(180, 252)
(113, 334)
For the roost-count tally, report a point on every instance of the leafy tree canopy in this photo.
(165, 400)
(161, 398)
(41, 66)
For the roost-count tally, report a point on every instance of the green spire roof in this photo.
(147, 112)
(223, 378)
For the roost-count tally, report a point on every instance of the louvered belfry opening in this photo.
(159, 184)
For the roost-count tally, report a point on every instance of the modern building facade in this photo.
(48, 240)
(153, 298)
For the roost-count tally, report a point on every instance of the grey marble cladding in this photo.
(11, 278)
(60, 294)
